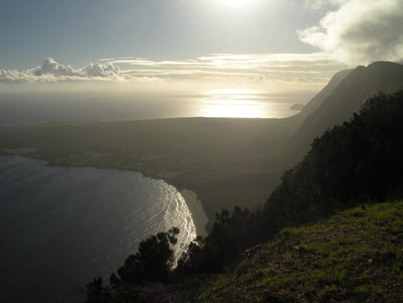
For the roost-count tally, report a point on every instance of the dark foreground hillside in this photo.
(355, 256)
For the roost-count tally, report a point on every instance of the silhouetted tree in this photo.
(358, 161)
(152, 262)
(96, 292)
(232, 233)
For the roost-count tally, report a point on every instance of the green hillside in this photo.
(340, 102)
(355, 256)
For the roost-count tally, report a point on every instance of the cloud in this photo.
(52, 71)
(107, 70)
(252, 68)
(50, 66)
(234, 67)
(359, 31)
(323, 4)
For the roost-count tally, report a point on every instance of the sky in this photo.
(192, 45)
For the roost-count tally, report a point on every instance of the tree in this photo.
(232, 233)
(152, 262)
(357, 162)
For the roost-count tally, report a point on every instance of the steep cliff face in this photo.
(325, 92)
(344, 95)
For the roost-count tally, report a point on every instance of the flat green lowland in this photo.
(355, 256)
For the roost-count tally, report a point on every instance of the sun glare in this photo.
(239, 103)
(236, 4)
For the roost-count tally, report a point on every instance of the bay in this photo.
(60, 227)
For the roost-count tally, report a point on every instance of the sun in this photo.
(235, 4)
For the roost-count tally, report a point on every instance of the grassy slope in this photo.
(355, 256)
(225, 161)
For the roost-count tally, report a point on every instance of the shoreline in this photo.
(195, 206)
(199, 216)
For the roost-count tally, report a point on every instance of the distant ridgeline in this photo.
(359, 161)
(345, 94)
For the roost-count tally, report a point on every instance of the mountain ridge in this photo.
(346, 98)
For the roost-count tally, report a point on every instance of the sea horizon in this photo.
(47, 108)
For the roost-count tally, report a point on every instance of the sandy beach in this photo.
(198, 215)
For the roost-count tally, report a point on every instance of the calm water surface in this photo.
(60, 227)
(33, 108)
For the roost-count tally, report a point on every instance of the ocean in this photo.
(61, 227)
(34, 108)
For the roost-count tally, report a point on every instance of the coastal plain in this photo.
(225, 161)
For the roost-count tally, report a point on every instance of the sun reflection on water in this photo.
(242, 104)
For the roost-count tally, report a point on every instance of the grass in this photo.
(227, 162)
(355, 256)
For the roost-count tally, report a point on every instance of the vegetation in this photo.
(355, 256)
(153, 262)
(231, 234)
(357, 162)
